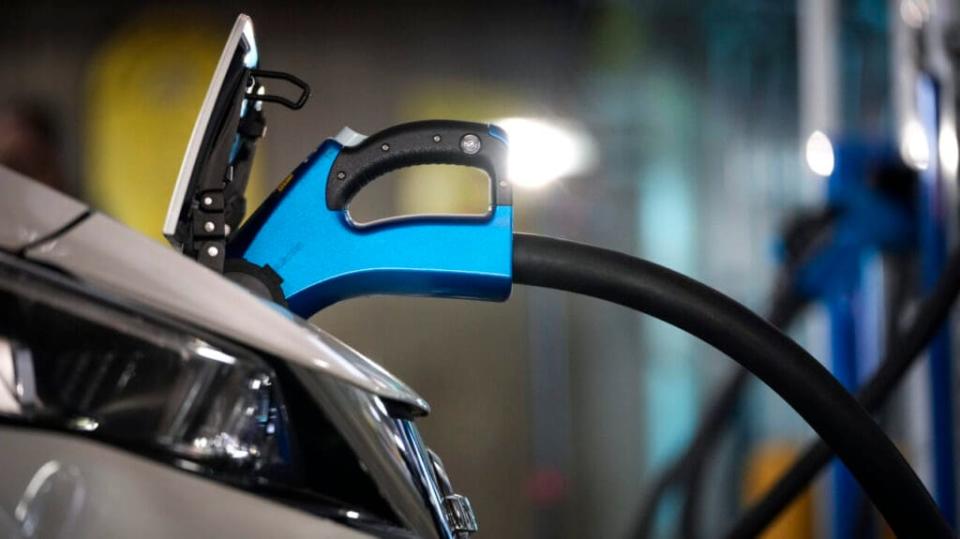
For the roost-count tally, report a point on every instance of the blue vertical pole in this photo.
(933, 243)
(843, 354)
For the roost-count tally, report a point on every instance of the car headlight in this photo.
(76, 361)
(70, 363)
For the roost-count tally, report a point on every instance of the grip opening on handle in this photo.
(431, 142)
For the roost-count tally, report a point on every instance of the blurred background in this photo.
(680, 131)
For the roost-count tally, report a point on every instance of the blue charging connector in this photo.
(303, 234)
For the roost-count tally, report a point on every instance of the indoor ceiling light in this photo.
(542, 151)
(819, 153)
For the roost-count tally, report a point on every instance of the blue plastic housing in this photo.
(322, 257)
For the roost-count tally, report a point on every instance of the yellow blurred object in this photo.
(145, 88)
(763, 470)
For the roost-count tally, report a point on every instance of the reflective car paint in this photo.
(58, 485)
(30, 211)
(155, 275)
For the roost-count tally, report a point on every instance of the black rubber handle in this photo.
(430, 142)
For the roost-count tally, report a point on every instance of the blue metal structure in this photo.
(933, 242)
(868, 220)
(321, 256)
(847, 498)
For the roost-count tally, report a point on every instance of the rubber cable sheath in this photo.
(932, 311)
(762, 349)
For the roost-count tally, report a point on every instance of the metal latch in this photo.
(459, 512)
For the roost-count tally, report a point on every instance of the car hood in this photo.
(48, 227)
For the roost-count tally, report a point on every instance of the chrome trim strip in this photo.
(389, 448)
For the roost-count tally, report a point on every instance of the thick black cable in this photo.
(784, 309)
(690, 509)
(770, 355)
(685, 471)
(803, 237)
(681, 470)
(713, 424)
(931, 314)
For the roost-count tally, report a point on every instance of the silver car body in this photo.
(121, 491)
(109, 255)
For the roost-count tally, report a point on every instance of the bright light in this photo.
(251, 58)
(541, 152)
(949, 151)
(915, 146)
(819, 152)
(353, 514)
(204, 350)
(86, 424)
